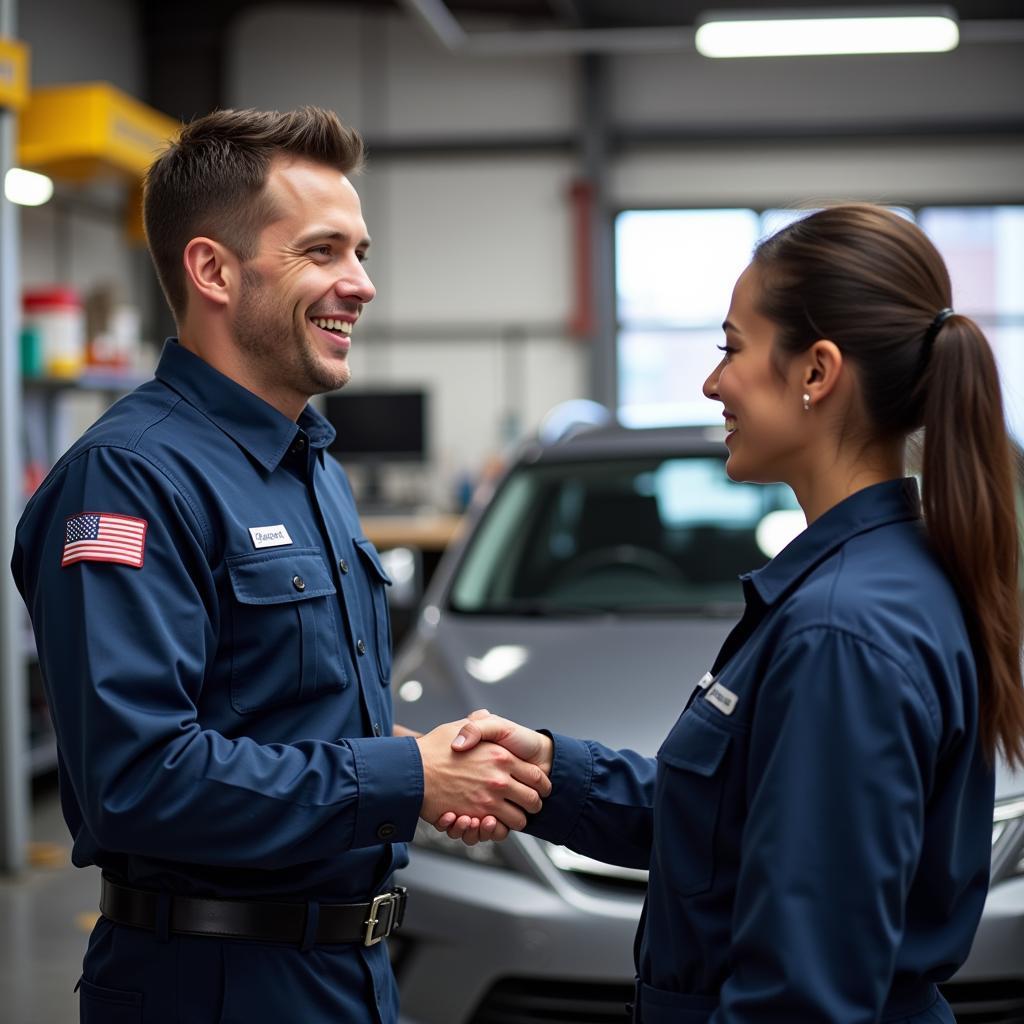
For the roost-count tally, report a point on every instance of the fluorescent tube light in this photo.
(807, 33)
(26, 188)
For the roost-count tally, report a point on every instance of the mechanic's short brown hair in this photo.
(210, 181)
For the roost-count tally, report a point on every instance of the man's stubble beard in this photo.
(279, 350)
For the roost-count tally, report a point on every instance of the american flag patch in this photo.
(102, 537)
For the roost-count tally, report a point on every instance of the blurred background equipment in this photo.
(377, 428)
(57, 318)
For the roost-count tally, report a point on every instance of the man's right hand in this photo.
(478, 780)
(526, 744)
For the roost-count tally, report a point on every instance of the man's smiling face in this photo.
(304, 290)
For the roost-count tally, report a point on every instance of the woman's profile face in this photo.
(766, 426)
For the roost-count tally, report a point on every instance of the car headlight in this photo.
(1008, 840)
(428, 838)
(566, 860)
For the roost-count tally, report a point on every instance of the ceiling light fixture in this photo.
(26, 188)
(826, 32)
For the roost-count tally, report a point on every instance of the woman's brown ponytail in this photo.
(970, 510)
(873, 283)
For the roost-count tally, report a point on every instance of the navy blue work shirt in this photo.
(818, 822)
(218, 677)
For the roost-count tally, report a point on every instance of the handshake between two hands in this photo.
(481, 776)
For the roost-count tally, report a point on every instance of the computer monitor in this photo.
(378, 426)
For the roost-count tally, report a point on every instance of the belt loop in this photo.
(162, 925)
(312, 921)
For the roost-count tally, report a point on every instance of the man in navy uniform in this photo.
(213, 626)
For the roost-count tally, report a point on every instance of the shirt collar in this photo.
(252, 423)
(889, 502)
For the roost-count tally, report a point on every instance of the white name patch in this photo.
(723, 699)
(269, 536)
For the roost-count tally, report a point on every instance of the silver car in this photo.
(589, 594)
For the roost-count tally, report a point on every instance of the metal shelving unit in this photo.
(84, 130)
(14, 788)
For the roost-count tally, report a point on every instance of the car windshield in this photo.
(624, 535)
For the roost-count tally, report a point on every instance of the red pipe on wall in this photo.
(582, 322)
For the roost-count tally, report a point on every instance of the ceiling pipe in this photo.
(979, 31)
(435, 16)
(439, 21)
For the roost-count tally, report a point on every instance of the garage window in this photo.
(674, 275)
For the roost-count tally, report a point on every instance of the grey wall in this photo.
(83, 41)
(469, 251)
(974, 82)
(468, 246)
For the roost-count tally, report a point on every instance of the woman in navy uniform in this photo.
(817, 824)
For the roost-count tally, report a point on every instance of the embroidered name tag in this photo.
(723, 699)
(269, 536)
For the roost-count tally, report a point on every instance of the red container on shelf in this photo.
(58, 315)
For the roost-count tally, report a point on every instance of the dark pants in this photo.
(130, 976)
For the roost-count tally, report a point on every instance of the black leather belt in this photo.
(268, 921)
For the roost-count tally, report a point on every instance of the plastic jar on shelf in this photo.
(59, 317)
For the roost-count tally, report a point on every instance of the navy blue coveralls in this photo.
(818, 821)
(223, 712)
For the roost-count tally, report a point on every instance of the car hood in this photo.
(617, 679)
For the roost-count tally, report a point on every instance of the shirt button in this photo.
(298, 583)
(386, 831)
(343, 566)
(299, 446)
(377, 729)
(361, 646)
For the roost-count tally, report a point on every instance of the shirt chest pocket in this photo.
(379, 580)
(284, 638)
(688, 803)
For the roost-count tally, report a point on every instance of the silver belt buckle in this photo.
(385, 899)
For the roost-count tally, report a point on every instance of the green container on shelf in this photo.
(31, 351)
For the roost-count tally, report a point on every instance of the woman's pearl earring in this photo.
(807, 402)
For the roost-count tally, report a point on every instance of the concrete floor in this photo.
(46, 915)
